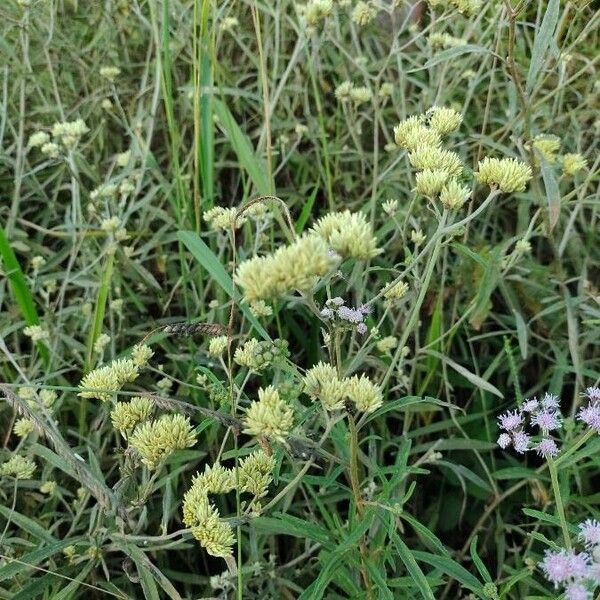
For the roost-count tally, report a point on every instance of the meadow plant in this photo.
(284, 286)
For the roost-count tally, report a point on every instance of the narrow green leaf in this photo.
(542, 43)
(471, 377)
(27, 524)
(306, 210)
(207, 258)
(34, 558)
(20, 290)
(452, 569)
(413, 568)
(447, 55)
(552, 194)
(243, 148)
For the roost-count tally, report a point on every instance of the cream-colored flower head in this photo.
(432, 157)
(316, 11)
(126, 415)
(444, 120)
(342, 91)
(38, 139)
(48, 397)
(270, 417)
(363, 13)
(322, 382)
(548, 146)
(23, 427)
(317, 376)
(141, 354)
(246, 355)
(412, 133)
(384, 345)
(366, 395)
(215, 536)
(100, 383)
(223, 218)
(37, 333)
(360, 95)
(255, 473)
(508, 174)
(431, 181)
(260, 308)
(154, 441)
(294, 267)
(395, 291)
(48, 487)
(18, 466)
(522, 246)
(441, 41)
(572, 163)
(69, 133)
(386, 89)
(349, 234)
(110, 73)
(453, 195)
(217, 345)
(124, 370)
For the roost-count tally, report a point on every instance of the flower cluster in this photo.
(589, 414)
(258, 356)
(222, 218)
(214, 534)
(104, 382)
(363, 13)
(577, 572)
(156, 440)
(322, 382)
(336, 311)
(544, 414)
(270, 416)
(126, 415)
(18, 466)
(507, 174)
(294, 267)
(438, 169)
(349, 234)
(315, 11)
(65, 136)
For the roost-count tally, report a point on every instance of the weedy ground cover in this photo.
(299, 300)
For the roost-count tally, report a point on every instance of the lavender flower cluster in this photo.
(544, 414)
(335, 308)
(577, 572)
(590, 413)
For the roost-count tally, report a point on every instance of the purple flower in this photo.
(361, 328)
(562, 566)
(576, 591)
(550, 401)
(365, 309)
(521, 442)
(504, 440)
(510, 420)
(556, 566)
(593, 393)
(530, 405)
(579, 564)
(589, 532)
(349, 314)
(546, 420)
(547, 447)
(590, 415)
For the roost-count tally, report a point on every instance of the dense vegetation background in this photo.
(221, 103)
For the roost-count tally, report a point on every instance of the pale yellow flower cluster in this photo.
(270, 416)
(323, 383)
(215, 535)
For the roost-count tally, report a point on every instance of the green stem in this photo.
(560, 509)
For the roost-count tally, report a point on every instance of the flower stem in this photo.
(560, 509)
